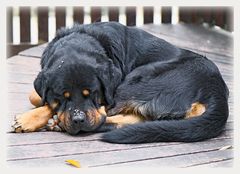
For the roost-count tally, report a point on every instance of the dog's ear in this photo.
(40, 86)
(110, 77)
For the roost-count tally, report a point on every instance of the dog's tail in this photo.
(210, 124)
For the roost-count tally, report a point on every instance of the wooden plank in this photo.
(181, 161)
(24, 69)
(131, 16)
(24, 152)
(25, 33)
(220, 163)
(20, 88)
(24, 61)
(15, 107)
(78, 14)
(14, 49)
(21, 78)
(42, 24)
(34, 51)
(23, 97)
(37, 138)
(95, 14)
(211, 41)
(147, 15)
(113, 13)
(60, 14)
(9, 24)
(219, 157)
(166, 14)
(95, 153)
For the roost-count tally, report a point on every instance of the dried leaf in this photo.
(226, 147)
(73, 163)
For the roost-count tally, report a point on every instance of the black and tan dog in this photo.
(139, 88)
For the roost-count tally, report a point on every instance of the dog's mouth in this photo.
(95, 118)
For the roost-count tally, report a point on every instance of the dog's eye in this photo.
(67, 94)
(86, 92)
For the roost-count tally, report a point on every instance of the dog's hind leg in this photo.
(121, 120)
(35, 99)
(118, 121)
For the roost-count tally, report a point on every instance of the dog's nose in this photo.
(78, 116)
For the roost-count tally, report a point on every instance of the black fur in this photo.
(126, 65)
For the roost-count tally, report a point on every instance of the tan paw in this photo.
(32, 120)
(24, 123)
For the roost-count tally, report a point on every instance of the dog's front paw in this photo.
(32, 120)
(23, 123)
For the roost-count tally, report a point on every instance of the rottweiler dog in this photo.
(133, 85)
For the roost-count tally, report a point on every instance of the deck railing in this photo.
(213, 16)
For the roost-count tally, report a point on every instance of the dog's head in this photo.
(76, 86)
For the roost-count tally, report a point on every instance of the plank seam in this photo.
(154, 158)
(209, 162)
(17, 159)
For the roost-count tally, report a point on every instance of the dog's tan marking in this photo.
(85, 92)
(66, 94)
(34, 98)
(121, 120)
(64, 118)
(61, 116)
(54, 104)
(197, 109)
(102, 110)
(95, 115)
(33, 120)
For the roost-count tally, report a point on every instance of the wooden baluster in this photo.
(166, 14)
(96, 14)
(78, 14)
(185, 14)
(60, 13)
(9, 25)
(131, 16)
(148, 15)
(25, 32)
(42, 24)
(113, 14)
(228, 18)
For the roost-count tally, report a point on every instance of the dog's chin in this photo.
(75, 130)
(92, 128)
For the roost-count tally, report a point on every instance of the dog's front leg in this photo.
(32, 120)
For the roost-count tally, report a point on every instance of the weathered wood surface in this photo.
(52, 149)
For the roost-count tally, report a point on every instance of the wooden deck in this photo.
(51, 149)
